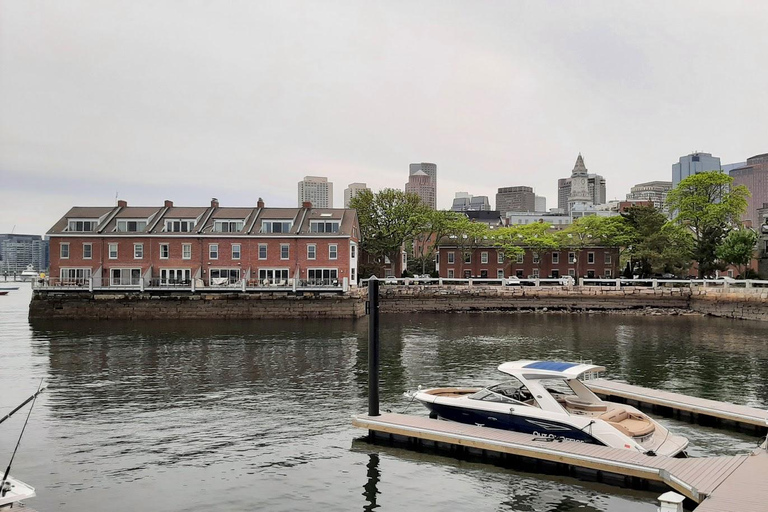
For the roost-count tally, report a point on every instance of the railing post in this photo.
(345, 285)
(581, 282)
(748, 283)
(373, 347)
(242, 283)
(90, 284)
(141, 284)
(654, 283)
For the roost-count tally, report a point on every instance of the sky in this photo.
(188, 100)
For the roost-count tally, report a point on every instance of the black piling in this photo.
(373, 346)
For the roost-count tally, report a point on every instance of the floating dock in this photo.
(724, 483)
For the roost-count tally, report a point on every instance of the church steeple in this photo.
(579, 169)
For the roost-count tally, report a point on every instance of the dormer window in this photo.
(228, 226)
(276, 226)
(324, 226)
(131, 226)
(179, 226)
(82, 225)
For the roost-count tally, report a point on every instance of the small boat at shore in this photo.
(29, 273)
(547, 399)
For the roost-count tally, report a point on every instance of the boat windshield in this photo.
(505, 392)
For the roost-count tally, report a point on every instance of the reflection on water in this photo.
(243, 415)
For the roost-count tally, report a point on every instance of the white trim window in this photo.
(324, 226)
(500, 258)
(165, 251)
(186, 251)
(535, 273)
(500, 273)
(236, 251)
(173, 276)
(467, 257)
(333, 251)
(138, 251)
(262, 251)
(450, 273)
(273, 276)
(228, 226)
(64, 250)
(224, 276)
(535, 257)
(323, 276)
(87, 251)
(82, 225)
(124, 276)
(590, 257)
(352, 249)
(555, 258)
(276, 226)
(484, 257)
(607, 258)
(131, 226)
(571, 258)
(113, 251)
(75, 276)
(608, 273)
(311, 251)
(179, 226)
(451, 258)
(520, 257)
(213, 251)
(285, 251)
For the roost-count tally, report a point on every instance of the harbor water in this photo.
(256, 415)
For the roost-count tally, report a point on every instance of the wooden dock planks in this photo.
(743, 490)
(695, 478)
(702, 406)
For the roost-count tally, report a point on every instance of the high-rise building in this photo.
(464, 202)
(595, 187)
(352, 190)
(694, 164)
(515, 199)
(655, 191)
(421, 184)
(316, 190)
(754, 176)
(541, 204)
(431, 171)
(19, 251)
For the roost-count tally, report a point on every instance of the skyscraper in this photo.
(754, 176)
(595, 187)
(515, 199)
(431, 171)
(351, 191)
(317, 190)
(18, 251)
(464, 202)
(655, 191)
(693, 164)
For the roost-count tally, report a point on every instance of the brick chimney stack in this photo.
(306, 204)
(168, 204)
(260, 203)
(122, 203)
(214, 203)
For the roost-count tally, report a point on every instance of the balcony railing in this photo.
(56, 284)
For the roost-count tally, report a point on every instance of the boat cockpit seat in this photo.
(573, 402)
(629, 424)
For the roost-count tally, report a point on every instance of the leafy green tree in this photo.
(388, 220)
(468, 235)
(655, 245)
(709, 204)
(737, 249)
(437, 224)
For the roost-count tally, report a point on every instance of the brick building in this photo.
(212, 246)
(490, 262)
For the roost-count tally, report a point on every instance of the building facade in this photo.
(430, 170)
(654, 191)
(515, 199)
(352, 190)
(754, 176)
(595, 188)
(465, 202)
(17, 252)
(212, 246)
(316, 190)
(541, 204)
(421, 184)
(693, 164)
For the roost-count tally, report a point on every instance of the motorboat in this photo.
(13, 491)
(549, 399)
(29, 273)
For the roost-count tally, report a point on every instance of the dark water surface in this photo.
(256, 415)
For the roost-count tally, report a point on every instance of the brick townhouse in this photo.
(490, 262)
(128, 245)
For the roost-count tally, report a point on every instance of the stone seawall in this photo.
(220, 305)
(744, 304)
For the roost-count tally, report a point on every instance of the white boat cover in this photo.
(548, 369)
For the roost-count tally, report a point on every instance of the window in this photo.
(311, 252)
(77, 276)
(571, 258)
(520, 257)
(235, 251)
(324, 226)
(519, 273)
(535, 273)
(276, 226)
(555, 257)
(353, 275)
(64, 251)
(138, 251)
(535, 257)
(171, 276)
(82, 225)
(451, 258)
(333, 252)
(450, 273)
(484, 257)
(113, 251)
(607, 272)
(323, 276)
(607, 258)
(467, 257)
(262, 251)
(125, 277)
(224, 276)
(590, 257)
(213, 251)
(483, 274)
(131, 226)
(87, 251)
(228, 226)
(352, 249)
(500, 273)
(273, 276)
(186, 251)
(285, 251)
(500, 258)
(179, 226)
(572, 272)
(165, 251)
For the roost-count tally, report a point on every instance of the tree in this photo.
(737, 249)
(388, 219)
(710, 205)
(655, 245)
(437, 224)
(468, 235)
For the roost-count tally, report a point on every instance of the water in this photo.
(256, 415)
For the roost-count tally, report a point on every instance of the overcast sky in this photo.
(188, 100)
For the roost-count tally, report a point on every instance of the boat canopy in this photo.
(548, 369)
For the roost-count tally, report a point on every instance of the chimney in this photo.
(214, 203)
(306, 204)
(122, 203)
(260, 203)
(168, 204)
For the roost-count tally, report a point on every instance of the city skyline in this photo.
(126, 101)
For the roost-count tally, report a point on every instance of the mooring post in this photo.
(373, 346)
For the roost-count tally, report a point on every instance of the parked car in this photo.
(512, 281)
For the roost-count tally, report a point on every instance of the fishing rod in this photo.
(3, 488)
(42, 388)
